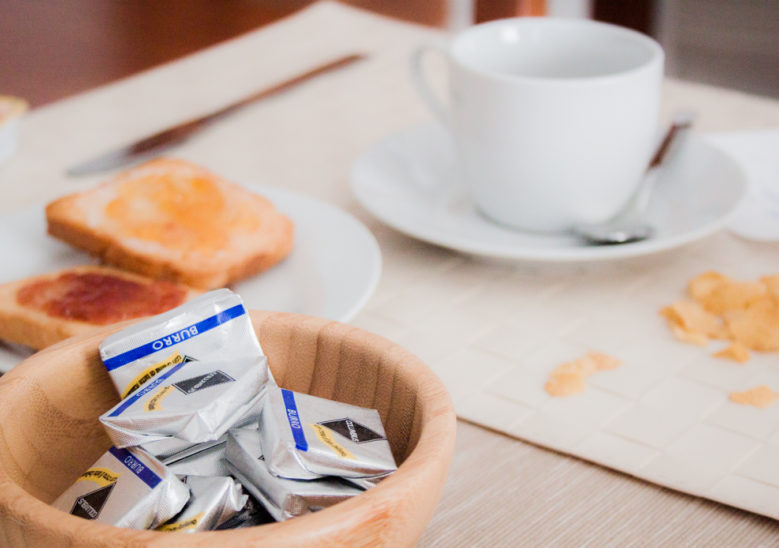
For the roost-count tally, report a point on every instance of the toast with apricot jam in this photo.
(42, 310)
(173, 220)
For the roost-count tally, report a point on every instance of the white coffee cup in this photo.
(553, 120)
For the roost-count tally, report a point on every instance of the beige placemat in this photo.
(494, 334)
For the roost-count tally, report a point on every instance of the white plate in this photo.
(331, 272)
(409, 181)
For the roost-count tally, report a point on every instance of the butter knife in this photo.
(144, 148)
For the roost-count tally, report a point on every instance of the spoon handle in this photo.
(680, 122)
(638, 204)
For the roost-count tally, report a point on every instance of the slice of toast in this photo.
(42, 310)
(170, 219)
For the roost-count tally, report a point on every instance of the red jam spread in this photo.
(98, 298)
(184, 212)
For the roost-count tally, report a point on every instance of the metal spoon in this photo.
(629, 225)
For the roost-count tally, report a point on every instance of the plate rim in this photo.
(376, 258)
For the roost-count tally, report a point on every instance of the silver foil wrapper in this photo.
(126, 488)
(283, 498)
(209, 461)
(214, 324)
(367, 482)
(305, 437)
(213, 501)
(171, 450)
(253, 514)
(193, 402)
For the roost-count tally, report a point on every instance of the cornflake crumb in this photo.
(762, 397)
(744, 313)
(570, 377)
(736, 352)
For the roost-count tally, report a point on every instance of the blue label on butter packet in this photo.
(294, 420)
(137, 467)
(173, 338)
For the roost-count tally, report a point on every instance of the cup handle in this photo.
(421, 83)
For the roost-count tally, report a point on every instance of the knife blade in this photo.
(166, 138)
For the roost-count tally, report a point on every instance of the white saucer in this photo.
(331, 273)
(409, 181)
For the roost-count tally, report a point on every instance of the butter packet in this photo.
(192, 401)
(214, 324)
(173, 450)
(367, 482)
(125, 488)
(170, 450)
(207, 460)
(283, 498)
(253, 514)
(213, 501)
(305, 437)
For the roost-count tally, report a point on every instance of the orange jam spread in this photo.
(97, 298)
(184, 212)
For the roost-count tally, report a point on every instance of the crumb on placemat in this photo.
(745, 313)
(736, 351)
(570, 377)
(761, 396)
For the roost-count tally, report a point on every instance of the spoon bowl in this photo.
(615, 234)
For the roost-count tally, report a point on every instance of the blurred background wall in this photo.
(732, 43)
(54, 48)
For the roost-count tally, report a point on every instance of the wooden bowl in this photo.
(50, 434)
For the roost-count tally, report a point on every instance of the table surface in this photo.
(501, 491)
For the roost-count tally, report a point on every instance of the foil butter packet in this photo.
(214, 324)
(191, 401)
(253, 514)
(213, 501)
(283, 498)
(125, 488)
(305, 437)
(208, 461)
(173, 450)
(170, 450)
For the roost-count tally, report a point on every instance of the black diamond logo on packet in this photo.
(352, 430)
(192, 385)
(88, 506)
